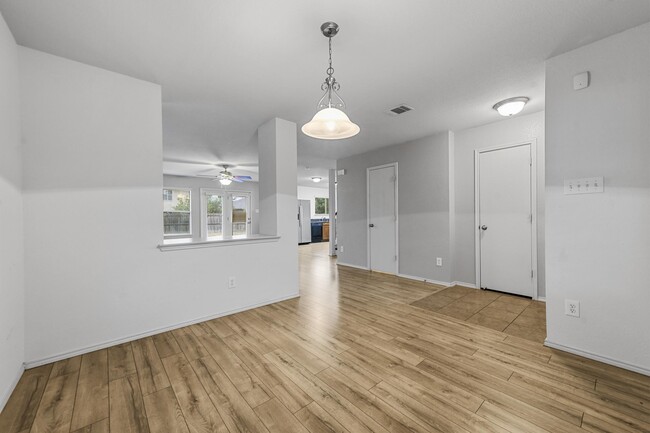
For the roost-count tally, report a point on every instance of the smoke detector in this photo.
(400, 109)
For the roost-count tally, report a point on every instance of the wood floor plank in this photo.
(507, 420)
(98, 427)
(91, 402)
(199, 412)
(234, 410)
(55, 410)
(220, 328)
(149, 367)
(250, 387)
(19, 412)
(66, 366)
(163, 412)
(324, 395)
(394, 420)
(317, 420)
(281, 386)
(127, 413)
(120, 361)
(189, 343)
(616, 412)
(166, 344)
(278, 419)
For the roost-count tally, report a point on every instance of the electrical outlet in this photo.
(341, 248)
(572, 308)
(232, 282)
(438, 261)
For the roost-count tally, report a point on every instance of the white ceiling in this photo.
(228, 66)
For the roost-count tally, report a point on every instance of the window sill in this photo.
(189, 244)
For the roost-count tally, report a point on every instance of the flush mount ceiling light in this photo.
(330, 123)
(316, 179)
(511, 106)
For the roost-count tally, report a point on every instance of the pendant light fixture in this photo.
(511, 106)
(330, 123)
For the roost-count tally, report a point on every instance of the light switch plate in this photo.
(581, 81)
(586, 185)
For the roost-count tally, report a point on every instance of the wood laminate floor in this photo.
(351, 355)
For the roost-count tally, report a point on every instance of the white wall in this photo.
(12, 294)
(598, 245)
(512, 130)
(310, 193)
(195, 184)
(93, 181)
(423, 206)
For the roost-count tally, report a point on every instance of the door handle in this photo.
(483, 227)
(371, 225)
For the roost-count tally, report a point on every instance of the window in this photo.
(214, 214)
(321, 206)
(225, 213)
(177, 212)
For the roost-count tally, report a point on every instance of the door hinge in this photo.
(395, 258)
(531, 273)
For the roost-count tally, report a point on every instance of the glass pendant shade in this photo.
(330, 124)
(225, 182)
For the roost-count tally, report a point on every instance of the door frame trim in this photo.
(533, 208)
(395, 165)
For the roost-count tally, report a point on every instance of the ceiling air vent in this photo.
(400, 109)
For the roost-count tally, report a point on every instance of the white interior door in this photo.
(382, 218)
(505, 220)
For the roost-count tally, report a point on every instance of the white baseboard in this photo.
(352, 266)
(424, 280)
(541, 299)
(460, 283)
(10, 390)
(595, 357)
(92, 348)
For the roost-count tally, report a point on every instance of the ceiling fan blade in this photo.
(236, 180)
(244, 177)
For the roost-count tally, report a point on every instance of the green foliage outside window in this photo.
(322, 207)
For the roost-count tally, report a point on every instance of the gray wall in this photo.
(508, 131)
(598, 245)
(195, 184)
(423, 206)
(436, 199)
(12, 287)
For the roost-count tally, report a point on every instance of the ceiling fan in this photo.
(226, 178)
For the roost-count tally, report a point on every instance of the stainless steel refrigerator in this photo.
(304, 222)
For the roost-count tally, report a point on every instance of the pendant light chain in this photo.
(330, 83)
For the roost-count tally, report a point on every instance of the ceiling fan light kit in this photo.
(511, 106)
(225, 178)
(330, 122)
